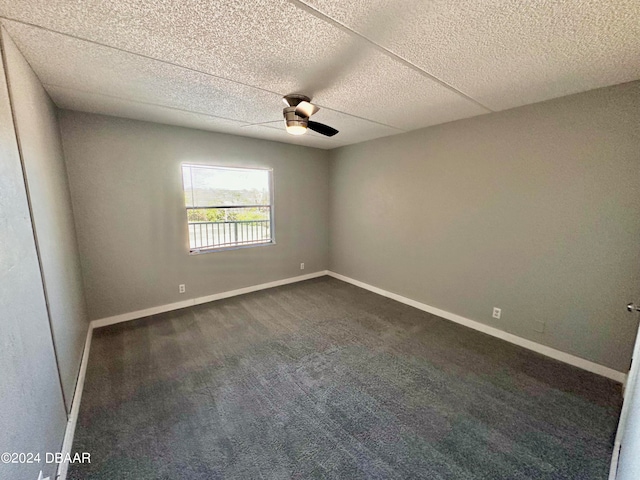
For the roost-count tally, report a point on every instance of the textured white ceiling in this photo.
(377, 67)
(504, 53)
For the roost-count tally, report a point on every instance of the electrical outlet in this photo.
(182, 288)
(497, 312)
(302, 266)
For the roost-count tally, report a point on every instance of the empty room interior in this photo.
(294, 239)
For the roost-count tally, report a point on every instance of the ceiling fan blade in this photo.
(321, 128)
(306, 109)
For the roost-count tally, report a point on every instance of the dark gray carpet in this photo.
(322, 379)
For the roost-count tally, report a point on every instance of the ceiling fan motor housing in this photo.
(293, 120)
(294, 99)
(296, 116)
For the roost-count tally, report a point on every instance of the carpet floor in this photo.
(322, 379)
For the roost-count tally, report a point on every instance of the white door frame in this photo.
(625, 462)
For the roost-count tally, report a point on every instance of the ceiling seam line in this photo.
(361, 118)
(184, 67)
(318, 14)
(146, 103)
(76, 37)
(259, 123)
(242, 122)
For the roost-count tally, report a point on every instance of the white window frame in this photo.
(212, 249)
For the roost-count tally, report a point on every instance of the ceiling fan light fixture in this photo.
(296, 129)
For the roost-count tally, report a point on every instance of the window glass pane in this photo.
(209, 187)
(227, 207)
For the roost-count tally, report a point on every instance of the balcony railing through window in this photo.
(228, 226)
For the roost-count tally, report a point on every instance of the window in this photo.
(227, 207)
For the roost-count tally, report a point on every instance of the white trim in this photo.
(125, 317)
(509, 337)
(615, 458)
(629, 402)
(536, 347)
(67, 443)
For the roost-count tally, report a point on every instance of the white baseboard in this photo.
(125, 317)
(255, 288)
(509, 337)
(67, 443)
(536, 347)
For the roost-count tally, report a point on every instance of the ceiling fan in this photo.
(296, 116)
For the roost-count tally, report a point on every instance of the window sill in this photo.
(231, 247)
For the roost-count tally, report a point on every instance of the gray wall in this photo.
(41, 148)
(32, 414)
(535, 210)
(126, 188)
